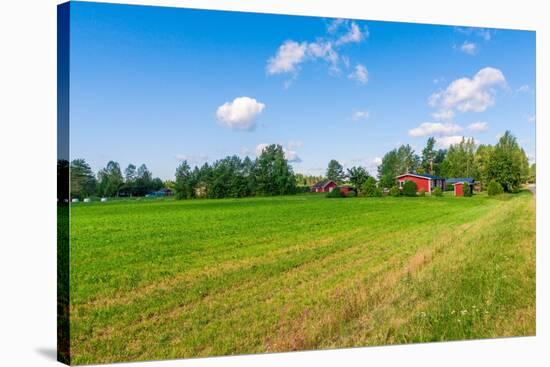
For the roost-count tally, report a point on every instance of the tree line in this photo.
(271, 174)
(506, 163)
(267, 175)
(110, 181)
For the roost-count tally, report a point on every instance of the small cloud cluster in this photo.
(470, 94)
(446, 133)
(291, 54)
(478, 127)
(370, 164)
(523, 89)
(484, 33)
(469, 48)
(241, 113)
(434, 129)
(445, 142)
(360, 115)
(360, 74)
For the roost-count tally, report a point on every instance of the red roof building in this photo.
(422, 181)
(324, 186)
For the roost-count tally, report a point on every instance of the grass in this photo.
(171, 279)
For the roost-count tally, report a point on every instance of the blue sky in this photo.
(157, 85)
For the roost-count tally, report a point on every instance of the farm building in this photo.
(345, 189)
(324, 186)
(423, 181)
(474, 185)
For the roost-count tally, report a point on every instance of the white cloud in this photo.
(360, 74)
(470, 94)
(260, 148)
(360, 115)
(370, 164)
(486, 34)
(434, 129)
(289, 55)
(445, 142)
(354, 35)
(523, 89)
(443, 115)
(241, 113)
(478, 127)
(335, 25)
(323, 50)
(290, 155)
(469, 48)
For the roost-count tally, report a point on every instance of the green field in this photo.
(171, 279)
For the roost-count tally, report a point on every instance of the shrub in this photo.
(449, 187)
(437, 192)
(335, 193)
(395, 192)
(302, 189)
(467, 191)
(422, 192)
(369, 187)
(352, 194)
(494, 188)
(409, 188)
(377, 193)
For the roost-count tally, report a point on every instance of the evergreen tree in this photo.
(83, 181)
(272, 174)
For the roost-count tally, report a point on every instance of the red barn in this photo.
(422, 181)
(324, 186)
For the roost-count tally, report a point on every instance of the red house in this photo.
(324, 186)
(423, 181)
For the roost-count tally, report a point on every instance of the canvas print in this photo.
(235, 183)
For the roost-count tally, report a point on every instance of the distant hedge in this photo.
(437, 192)
(335, 193)
(467, 191)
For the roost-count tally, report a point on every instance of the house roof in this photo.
(454, 180)
(422, 175)
(322, 183)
